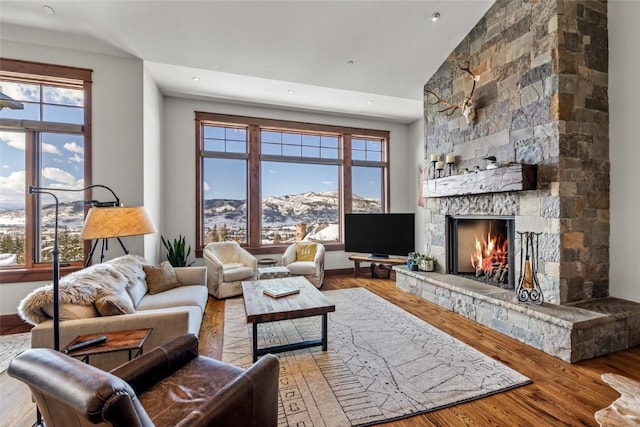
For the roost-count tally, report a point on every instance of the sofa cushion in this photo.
(160, 278)
(113, 305)
(195, 295)
(195, 315)
(232, 265)
(238, 273)
(302, 268)
(72, 311)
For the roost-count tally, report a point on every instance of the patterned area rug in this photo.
(382, 364)
(11, 346)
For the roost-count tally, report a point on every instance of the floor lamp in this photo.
(101, 223)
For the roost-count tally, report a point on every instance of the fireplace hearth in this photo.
(481, 248)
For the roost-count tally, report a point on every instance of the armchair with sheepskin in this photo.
(228, 264)
(306, 259)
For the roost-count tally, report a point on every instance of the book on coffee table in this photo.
(280, 291)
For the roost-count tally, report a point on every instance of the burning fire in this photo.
(490, 254)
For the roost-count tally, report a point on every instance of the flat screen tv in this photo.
(378, 234)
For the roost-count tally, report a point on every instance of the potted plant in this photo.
(177, 252)
(426, 262)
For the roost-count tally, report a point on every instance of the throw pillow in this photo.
(113, 305)
(160, 278)
(305, 251)
(137, 290)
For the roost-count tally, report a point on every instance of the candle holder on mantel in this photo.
(434, 160)
(451, 159)
(528, 288)
(439, 167)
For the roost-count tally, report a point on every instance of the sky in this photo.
(226, 179)
(62, 154)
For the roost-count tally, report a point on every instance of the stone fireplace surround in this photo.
(541, 100)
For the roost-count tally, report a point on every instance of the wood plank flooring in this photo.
(562, 394)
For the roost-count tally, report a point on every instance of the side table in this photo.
(273, 272)
(131, 341)
(269, 262)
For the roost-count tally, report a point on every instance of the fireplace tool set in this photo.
(528, 288)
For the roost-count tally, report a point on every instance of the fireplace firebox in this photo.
(482, 248)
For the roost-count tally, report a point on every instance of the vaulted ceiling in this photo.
(365, 58)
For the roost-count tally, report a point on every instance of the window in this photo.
(224, 179)
(266, 183)
(368, 174)
(44, 141)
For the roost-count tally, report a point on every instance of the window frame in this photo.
(254, 126)
(27, 71)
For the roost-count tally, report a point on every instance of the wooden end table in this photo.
(131, 341)
(261, 308)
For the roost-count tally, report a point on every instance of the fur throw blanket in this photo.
(84, 287)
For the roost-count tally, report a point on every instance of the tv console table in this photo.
(383, 263)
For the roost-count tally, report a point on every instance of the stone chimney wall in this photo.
(542, 100)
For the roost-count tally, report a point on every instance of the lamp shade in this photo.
(104, 223)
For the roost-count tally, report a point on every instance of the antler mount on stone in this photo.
(466, 107)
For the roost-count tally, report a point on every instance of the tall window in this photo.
(224, 183)
(368, 174)
(266, 183)
(44, 141)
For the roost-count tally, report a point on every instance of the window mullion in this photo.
(294, 159)
(347, 181)
(30, 205)
(254, 208)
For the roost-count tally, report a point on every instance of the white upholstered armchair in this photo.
(228, 264)
(306, 259)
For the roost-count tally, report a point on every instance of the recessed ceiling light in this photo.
(369, 102)
(290, 91)
(195, 78)
(48, 10)
(434, 17)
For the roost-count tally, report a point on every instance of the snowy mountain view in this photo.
(317, 210)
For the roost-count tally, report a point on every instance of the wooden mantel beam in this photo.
(512, 177)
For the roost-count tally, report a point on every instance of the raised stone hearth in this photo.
(569, 332)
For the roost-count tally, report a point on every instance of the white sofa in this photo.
(169, 313)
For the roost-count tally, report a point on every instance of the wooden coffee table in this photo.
(261, 308)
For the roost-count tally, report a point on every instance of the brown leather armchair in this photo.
(168, 386)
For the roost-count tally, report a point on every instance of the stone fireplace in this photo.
(542, 113)
(541, 100)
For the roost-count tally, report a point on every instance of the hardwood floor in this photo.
(562, 394)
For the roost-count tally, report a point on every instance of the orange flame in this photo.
(489, 252)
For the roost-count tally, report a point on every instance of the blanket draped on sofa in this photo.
(84, 287)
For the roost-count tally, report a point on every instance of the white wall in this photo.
(117, 144)
(416, 135)
(179, 160)
(153, 176)
(624, 148)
